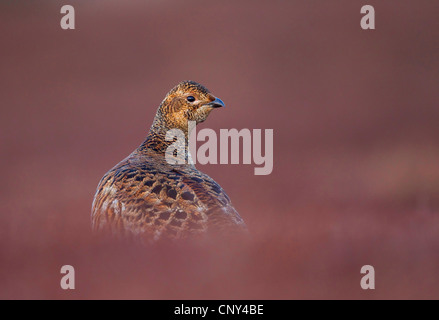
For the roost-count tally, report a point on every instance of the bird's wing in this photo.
(141, 199)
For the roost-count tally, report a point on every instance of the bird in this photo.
(148, 197)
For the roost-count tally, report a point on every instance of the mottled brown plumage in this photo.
(146, 197)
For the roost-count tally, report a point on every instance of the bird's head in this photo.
(188, 101)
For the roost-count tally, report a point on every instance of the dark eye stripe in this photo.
(190, 99)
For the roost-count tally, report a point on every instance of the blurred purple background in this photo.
(355, 115)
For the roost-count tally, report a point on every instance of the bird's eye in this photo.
(190, 98)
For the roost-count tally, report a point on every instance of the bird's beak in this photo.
(217, 103)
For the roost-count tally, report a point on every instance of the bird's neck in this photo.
(163, 138)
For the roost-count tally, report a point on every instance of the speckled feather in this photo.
(145, 197)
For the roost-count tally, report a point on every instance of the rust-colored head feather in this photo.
(186, 101)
